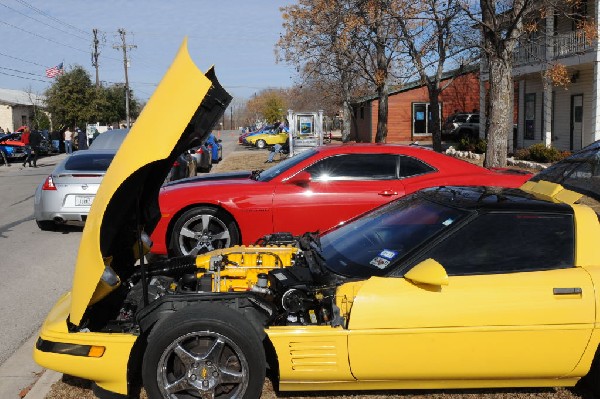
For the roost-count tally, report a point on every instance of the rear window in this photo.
(88, 162)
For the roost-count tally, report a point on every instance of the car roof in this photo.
(109, 140)
(492, 199)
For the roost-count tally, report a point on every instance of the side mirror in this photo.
(300, 178)
(428, 272)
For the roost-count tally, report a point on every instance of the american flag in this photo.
(54, 71)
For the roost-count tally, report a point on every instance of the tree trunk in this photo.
(382, 114)
(346, 121)
(500, 116)
(434, 108)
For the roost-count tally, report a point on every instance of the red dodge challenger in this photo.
(314, 190)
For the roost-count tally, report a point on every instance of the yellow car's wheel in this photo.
(204, 351)
(261, 144)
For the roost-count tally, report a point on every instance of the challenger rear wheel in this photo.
(203, 229)
(261, 144)
(204, 352)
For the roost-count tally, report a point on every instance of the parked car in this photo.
(269, 138)
(461, 125)
(314, 190)
(184, 166)
(12, 146)
(202, 156)
(450, 287)
(215, 148)
(243, 136)
(65, 196)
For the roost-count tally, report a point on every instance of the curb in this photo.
(42, 386)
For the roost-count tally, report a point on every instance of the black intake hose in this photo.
(172, 267)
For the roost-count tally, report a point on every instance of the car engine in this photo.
(284, 275)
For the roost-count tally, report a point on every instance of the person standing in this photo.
(82, 140)
(26, 146)
(55, 139)
(68, 141)
(35, 140)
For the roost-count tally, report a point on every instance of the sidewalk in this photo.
(20, 375)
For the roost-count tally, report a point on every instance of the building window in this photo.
(23, 120)
(530, 116)
(362, 112)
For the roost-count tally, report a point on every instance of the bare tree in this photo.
(378, 45)
(435, 35)
(504, 25)
(318, 41)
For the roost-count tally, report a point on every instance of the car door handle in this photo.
(567, 291)
(387, 193)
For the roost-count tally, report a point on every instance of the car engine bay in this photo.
(282, 278)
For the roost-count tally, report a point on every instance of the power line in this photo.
(43, 23)
(16, 70)
(43, 37)
(22, 77)
(20, 59)
(26, 4)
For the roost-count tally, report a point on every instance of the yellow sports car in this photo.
(452, 287)
(268, 139)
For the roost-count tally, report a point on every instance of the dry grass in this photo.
(75, 388)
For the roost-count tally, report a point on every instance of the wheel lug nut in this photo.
(193, 377)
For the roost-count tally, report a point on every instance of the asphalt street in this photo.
(36, 267)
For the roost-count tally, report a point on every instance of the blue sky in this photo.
(237, 36)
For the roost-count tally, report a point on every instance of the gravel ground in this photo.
(75, 388)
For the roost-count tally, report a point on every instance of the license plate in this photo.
(83, 201)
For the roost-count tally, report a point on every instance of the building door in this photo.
(576, 122)
(421, 115)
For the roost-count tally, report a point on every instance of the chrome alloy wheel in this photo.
(204, 364)
(203, 233)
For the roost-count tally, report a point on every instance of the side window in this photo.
(508, 242)
(410, 166)
(475, 119)
(355, 167)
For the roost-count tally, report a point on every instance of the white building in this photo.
(566, 118)
(17, 108)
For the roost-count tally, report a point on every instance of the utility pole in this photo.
(124, 46)
(95, 56)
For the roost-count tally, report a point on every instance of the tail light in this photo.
(49, 184)
(176, 164)
(199, 150)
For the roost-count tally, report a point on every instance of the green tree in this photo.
(74, 101)
(68, 99)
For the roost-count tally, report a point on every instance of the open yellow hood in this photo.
(180, 114)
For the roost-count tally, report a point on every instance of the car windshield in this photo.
(374, 243)
(271, 173)
(461, 118)
(89, 162)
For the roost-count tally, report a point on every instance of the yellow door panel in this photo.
(515, 324)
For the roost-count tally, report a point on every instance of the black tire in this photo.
(46, 225)
(202, 229)
(261, 144)
(204, 350)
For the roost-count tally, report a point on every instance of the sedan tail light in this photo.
(49, 184)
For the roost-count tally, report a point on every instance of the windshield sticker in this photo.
(387, 254)
(380, 263)
(448, 222)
